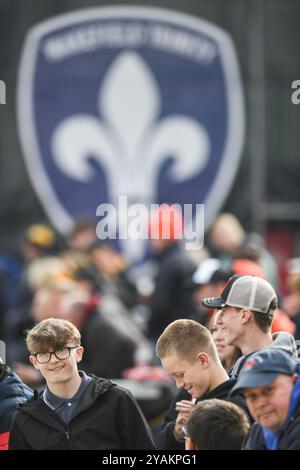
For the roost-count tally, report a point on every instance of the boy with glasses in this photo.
(75, 411)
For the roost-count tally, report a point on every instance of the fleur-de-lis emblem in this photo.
(129, 140)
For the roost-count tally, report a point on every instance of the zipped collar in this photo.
(35, 405)
(220, 391)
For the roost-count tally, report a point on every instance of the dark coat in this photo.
(107, 417)
(166, 439)
(12, 392)
(289, 439)
(172, 298)
(107, 351)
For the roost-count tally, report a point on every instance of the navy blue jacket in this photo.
(289, 439)
(12, 392)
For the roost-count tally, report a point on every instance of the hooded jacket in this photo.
(289, 440)
(281, 340)
(166, 438)
(107, 417)
(12, 392)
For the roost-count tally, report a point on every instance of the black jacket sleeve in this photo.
(166, 439)
(132, 427)
(17, 439)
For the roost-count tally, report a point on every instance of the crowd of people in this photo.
(214, 319)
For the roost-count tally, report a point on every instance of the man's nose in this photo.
(218, 337)
(53, 358)
(179, 383)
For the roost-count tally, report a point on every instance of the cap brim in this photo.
(254, 380)
(213, 302)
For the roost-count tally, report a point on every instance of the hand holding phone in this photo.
(184, 405)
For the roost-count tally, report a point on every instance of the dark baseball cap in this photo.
(250, 292)
(263, 367)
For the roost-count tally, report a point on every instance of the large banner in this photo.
(141, 102)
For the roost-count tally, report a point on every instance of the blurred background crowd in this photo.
(88, 281)
(120, 308)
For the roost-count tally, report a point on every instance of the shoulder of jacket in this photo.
(101, 385)
(234, 372)
(255, 438)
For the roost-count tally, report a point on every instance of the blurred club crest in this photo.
(134, 101)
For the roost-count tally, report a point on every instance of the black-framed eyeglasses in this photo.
(60, 354)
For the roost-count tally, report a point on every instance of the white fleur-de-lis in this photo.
(129, 141)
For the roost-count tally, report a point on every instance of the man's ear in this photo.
(246, 315)
(295, 378)
(189, 444)
(203, 359)
(34, 362)
(79, 353)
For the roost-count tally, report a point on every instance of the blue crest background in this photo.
(70, 86)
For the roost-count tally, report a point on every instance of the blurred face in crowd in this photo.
(269, 405)
(192, 376)
(230, 321)
(109, 261)
(227, 233)
(46, 303)
(226, 352)
(82, 239)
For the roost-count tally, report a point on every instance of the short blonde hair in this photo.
(186, 338)
(52, 333)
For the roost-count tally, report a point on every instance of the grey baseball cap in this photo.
(250, 292)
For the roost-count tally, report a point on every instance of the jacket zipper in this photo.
(67, 434)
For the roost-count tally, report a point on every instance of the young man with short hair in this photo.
(75, 411)
(248, 304)
(270, 382)
(188, 353)
(216, 425)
